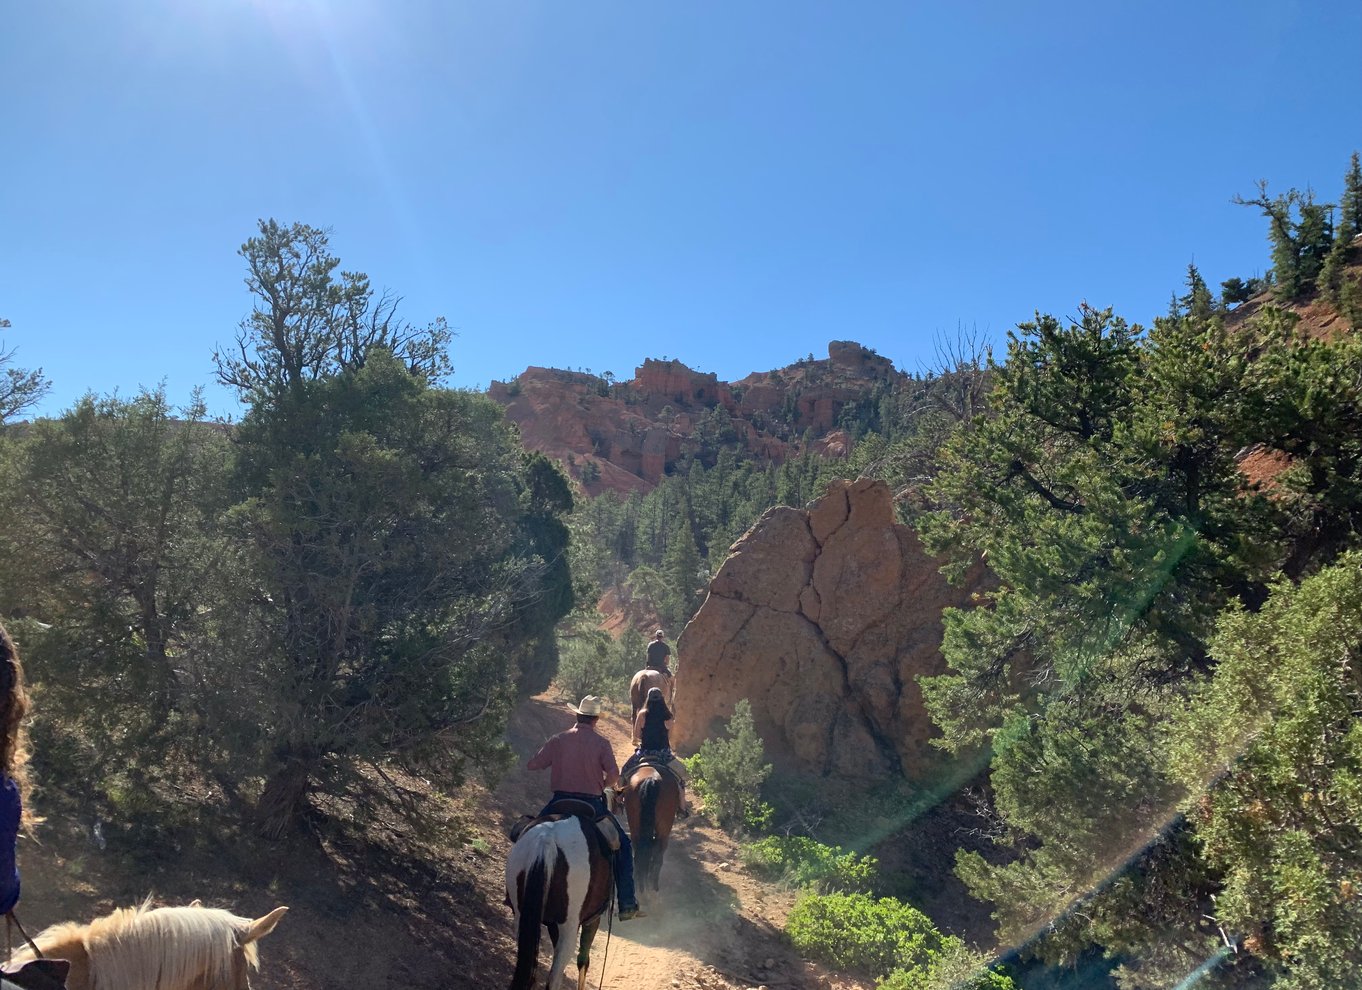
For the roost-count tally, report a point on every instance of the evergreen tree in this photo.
(1234, 290)
(1332, 277)
(1104, 495)
(110, 538)
(1198, 303)
(683, 571)
(1270, 750)
(20, 388)
(409, 557)
(1350, 205)
(1299, 231)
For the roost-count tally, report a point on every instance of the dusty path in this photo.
(712, 926)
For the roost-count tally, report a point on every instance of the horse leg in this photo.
(584, 951)
(655, 864)
(562, 951)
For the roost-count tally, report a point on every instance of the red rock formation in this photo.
(624, 437)
(823, 618)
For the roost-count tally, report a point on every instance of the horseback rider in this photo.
(652, 739)
(658, 652)
(581, 765)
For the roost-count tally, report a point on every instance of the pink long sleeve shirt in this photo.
(578, 760)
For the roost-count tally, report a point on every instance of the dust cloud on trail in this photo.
(711, 925)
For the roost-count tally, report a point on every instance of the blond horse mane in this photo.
(168, 948)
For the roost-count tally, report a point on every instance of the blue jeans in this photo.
(624, 859)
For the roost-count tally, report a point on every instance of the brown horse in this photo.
(650, 678)
(650, 798)
(171, 948)
(558, 876)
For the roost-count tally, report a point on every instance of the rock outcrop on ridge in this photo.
(823, 618)
(625, 436)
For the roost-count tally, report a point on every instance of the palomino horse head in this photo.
(170, 948)
(558, 876)
(650, 796)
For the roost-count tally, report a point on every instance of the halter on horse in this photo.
(651, 796)
(558, 876)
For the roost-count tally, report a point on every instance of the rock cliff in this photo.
(823, 618)
(625, 436)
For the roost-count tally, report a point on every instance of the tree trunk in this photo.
(283, 803)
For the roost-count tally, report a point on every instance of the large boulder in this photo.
(823, 618)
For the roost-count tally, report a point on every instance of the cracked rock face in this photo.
(823, 618)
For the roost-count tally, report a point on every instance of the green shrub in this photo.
(590, 662)
(863, 934)
(955, 968)
(888, 939)
(728, 773)
(806, 863)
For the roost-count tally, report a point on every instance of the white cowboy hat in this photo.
(591, 705)
(659, 633)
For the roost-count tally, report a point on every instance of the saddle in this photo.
(38, 974)
(571, 808)
(657, 763)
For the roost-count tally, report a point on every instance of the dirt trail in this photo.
(712, 926)
(365, 912)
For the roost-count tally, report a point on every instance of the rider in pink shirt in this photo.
(579, 760)
(581, 765)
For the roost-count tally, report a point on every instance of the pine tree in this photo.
(1350, 220)
(1234, 290)
(1315, 235)
(681, 566)
(1331, 276)
(1299, 246)
(1198, 303)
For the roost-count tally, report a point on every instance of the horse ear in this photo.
(261, 927)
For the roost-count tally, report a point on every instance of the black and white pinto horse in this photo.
(558, 876)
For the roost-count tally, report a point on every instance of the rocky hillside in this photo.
(624, 436)
(823, 618)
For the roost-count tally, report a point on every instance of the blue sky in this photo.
(590, 184)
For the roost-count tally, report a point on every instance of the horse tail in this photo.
(648, 792)
(531, 902)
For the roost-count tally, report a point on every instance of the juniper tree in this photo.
(110, 540)
(20, 388)
(409, 558)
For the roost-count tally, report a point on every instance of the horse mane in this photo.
(144, 947)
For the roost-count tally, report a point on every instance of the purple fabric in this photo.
(10, 812)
